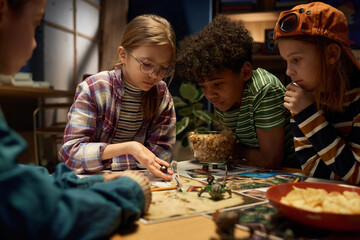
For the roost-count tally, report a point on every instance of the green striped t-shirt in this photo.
(261, 108)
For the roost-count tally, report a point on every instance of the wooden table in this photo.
(202, 227)
(32, 92)
(196, 227)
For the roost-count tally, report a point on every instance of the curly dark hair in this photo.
(222, 45)
(17, 4)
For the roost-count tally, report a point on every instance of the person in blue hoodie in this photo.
(35, 205)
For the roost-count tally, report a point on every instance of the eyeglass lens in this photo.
(288, 22)
(149, 66)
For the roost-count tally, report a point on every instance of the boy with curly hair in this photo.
(247, 101)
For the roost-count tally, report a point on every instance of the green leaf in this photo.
(188, 91)
(198, 106)
(178, 102)
(201, 129)
(187, 111)
(199, 96)
(182, 125)
(185, 141)
(204, 115)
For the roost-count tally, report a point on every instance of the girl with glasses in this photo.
(35, 205)
(125, 118)
(324, 97)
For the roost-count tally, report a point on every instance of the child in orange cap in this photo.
(324, 97)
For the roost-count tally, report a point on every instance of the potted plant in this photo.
(191, 110)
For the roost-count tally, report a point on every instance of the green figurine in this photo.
(216, 190)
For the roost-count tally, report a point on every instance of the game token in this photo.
(163, 169)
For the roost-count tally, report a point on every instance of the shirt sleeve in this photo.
(34, 206)
(81, 150)
(322, 151)
(163, 130)
(65, 178)
(270, 112)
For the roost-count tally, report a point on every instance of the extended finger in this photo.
(151, 162)
(287, 99)
(162, 162)
(157, 166)
(290, 88)
(157, 173)
(164, 176)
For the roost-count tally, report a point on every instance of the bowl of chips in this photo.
(211, 147)
(324, 205)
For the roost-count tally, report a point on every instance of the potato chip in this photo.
(319, 200)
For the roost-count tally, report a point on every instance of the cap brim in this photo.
(352, 57)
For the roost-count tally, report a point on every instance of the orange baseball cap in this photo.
(315, 18)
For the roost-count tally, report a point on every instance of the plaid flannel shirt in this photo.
(93, 120)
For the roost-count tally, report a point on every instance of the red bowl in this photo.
(329, 221)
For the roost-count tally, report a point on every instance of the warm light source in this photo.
(257, 22)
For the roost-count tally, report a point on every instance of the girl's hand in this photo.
(150, 161)
(297, 99)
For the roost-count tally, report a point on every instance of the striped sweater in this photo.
(328, 145)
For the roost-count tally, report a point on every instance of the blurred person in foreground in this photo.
(35, 205)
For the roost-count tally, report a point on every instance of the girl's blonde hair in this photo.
(154, 30)
(332, 81)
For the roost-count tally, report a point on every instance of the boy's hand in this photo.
(237, 153)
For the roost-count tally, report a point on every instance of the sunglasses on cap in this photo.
(288, 22)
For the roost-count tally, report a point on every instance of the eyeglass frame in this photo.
(167, 73)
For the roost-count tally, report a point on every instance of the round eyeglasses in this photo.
(149, 67)
(288, 22)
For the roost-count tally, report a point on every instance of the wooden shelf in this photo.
(262, 18)
(269, 62)
(257, 23)
(32, 92)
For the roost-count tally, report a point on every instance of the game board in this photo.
(248, 187)
(170, 204)
(252, 180)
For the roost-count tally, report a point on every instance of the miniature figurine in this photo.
(176, 176)
(174, 166)
(216, 190)
(225, 223)
(163, 169)
(205, 168)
